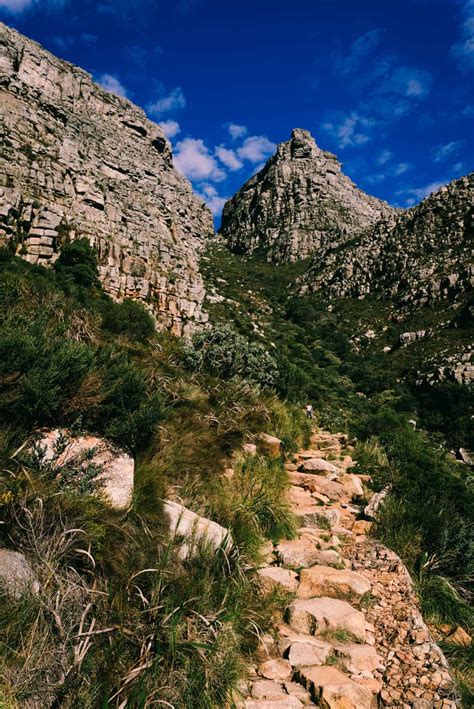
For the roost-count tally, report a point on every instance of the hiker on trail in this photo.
(309, 411)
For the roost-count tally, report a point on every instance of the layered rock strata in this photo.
(298, 203)
(77, 161)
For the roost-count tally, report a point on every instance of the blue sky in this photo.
(385, 84)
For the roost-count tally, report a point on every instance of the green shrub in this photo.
(129, 317)
(225, 353)
(78, 261)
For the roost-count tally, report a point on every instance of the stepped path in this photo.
(352, 635)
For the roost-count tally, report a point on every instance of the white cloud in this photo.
(350, 130)
(170, 128)
(256, 148)
(401, 168)
(228, 158)
(422, 192)
(464, 50)
(111, 83)
(212, 198)
(409, 82)
(174, 100)
(443, 152)
(236, 131)
(360, 48)
(16, 7)
(384, 156)
(194, 159)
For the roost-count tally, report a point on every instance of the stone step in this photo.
(276, 576)
(332, 689)
(303, 553)
(334, 583)
(318, 615)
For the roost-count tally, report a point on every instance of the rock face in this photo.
(417, 256)
(77, 161)
(299, 203)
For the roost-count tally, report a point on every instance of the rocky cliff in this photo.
(77, 161)
(298, 203)
(417, 256)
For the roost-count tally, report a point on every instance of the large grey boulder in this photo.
(16, 574)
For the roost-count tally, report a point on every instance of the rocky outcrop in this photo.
(299, 203)
(77, 161)
(416, 257)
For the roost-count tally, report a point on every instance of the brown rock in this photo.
(267, 689)
(272, 576)
(460, 637)
(317, 615)
(362, 527)
(318, 465)
(334, 690)
(270, 445)
(307, 650)
(336, 583)
(275, 669)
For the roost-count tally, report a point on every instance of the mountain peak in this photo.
(299, 202)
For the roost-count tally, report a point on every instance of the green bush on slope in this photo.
(173, 630)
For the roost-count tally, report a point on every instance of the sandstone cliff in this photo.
(78, 161)
(297, 204)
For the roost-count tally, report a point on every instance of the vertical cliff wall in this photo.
(77, 161)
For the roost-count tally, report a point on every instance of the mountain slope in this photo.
(78, 161)
(298, 203)
(417, 256)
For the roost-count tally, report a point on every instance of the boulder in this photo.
(59, 448)
(250, 449)
(334, 690)
(270, 445)
(310, 651)
(303, 553)
(318, 615)
(330, 488)
(267, 689)
(278, 669)
(297, 690)
(460, 637)
(335, 583)
(277, 576)
(194, 530)
(376, 502)
(16, 575)
(359, 657)
(315, 465)
(352, 484)
(298, 497)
